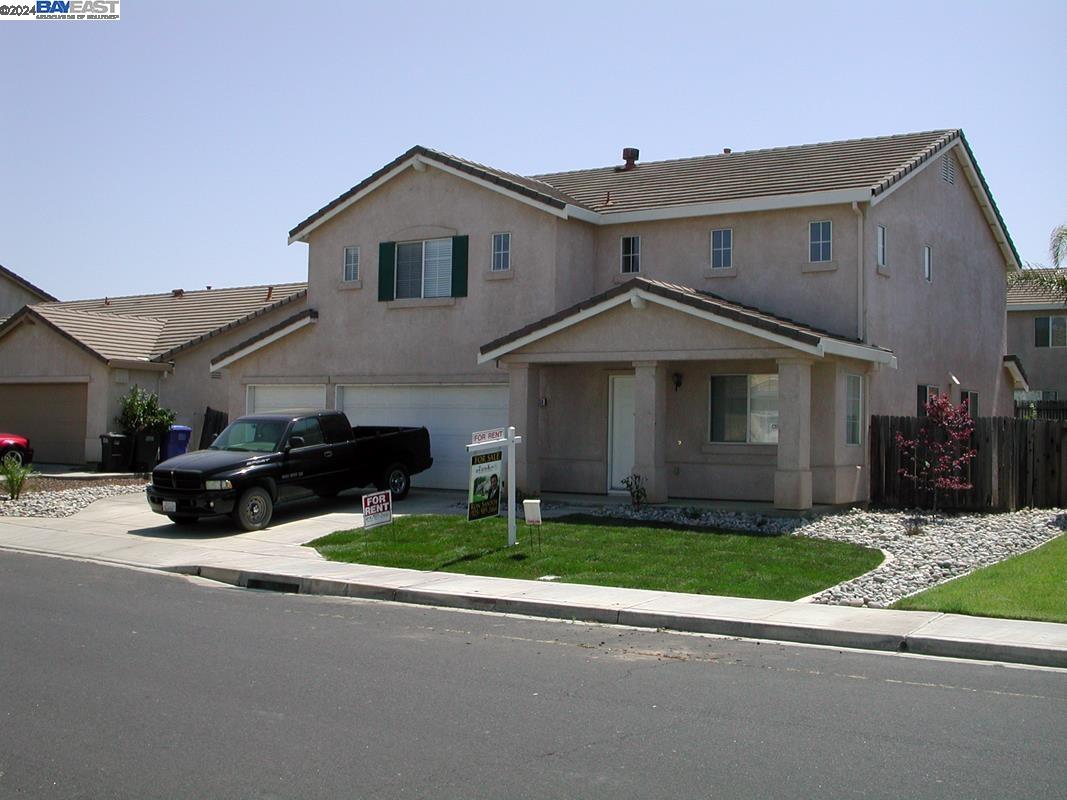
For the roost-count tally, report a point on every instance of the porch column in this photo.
(524, 411)
(650, 427)
(792, 480)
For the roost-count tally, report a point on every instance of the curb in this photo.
(915, 643)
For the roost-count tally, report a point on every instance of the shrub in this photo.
(635, 485)
(15, 476)
(142, 413)
(941, 452)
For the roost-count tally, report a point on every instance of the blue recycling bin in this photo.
(176, 441)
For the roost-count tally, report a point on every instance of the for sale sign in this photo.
(484, 497)
(377, 509)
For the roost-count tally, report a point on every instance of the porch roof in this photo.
(704, 305)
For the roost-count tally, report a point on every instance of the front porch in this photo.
(706, 401)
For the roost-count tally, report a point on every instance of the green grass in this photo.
(1030, 586)
(605, 552)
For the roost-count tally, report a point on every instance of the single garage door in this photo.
(51, 415)
(450, 413)
(266, 399)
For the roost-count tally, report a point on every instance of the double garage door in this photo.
(50, 415)
(450, 413)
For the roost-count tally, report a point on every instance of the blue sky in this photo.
(178, 146)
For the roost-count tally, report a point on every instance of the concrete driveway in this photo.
(122, 529)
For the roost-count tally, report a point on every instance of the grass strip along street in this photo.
(1030, 586)
(609, 552)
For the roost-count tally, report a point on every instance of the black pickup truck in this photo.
(265, 459)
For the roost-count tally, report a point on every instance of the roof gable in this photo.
(24, 284)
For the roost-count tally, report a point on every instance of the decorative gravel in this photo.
(63, 503)
(947, 547)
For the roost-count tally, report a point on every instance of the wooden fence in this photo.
(1041, 409)
(1020, 463)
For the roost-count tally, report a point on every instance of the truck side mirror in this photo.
(295, 441)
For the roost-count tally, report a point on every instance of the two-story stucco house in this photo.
(722, 325)
(1037, 333)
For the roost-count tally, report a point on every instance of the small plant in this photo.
(938, 457)
(635, 485)
(15, 476)
(141, 413)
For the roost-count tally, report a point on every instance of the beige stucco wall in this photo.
(953, 324)
(771, 269)
(13, 297)
(1046, 367)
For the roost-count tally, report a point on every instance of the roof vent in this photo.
(948, 168)
(726, 151)
(270, 292)
(630, 156)
(177, 292)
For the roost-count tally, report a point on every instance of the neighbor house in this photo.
(722, 326)
(1037, 332)
(64, 366)
(16, 292)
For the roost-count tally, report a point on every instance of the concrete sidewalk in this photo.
(122, 530)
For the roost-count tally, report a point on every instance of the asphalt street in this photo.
(116, 683)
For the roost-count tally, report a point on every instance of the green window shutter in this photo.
(460, 246)
(387, 271)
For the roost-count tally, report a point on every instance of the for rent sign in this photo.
(484, 497)
(377, 509)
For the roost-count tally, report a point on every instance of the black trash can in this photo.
(114, 452)
(145, 451)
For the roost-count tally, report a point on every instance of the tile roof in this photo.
(705, 301)
(25, 284)
(874, 163)
(1025, 294)
(154, 327)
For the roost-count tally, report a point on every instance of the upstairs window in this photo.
(424, 269)
(1050, 332)
(928, 264)
(351, 271)
(631, 254)
(722, 248)
(819, 241)
(881, 246)
(501, 252)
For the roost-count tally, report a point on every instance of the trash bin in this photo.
(176, 441)
(114, 452)
(145, 451)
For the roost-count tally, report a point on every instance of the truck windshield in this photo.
(254, 436)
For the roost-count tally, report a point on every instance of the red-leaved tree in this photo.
(939, 455)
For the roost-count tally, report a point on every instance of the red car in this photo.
(15, 448)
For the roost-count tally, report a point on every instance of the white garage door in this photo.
(450, 413)
(266, 399)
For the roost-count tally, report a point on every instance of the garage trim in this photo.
(250, 392)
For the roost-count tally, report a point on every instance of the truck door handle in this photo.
(328, 454)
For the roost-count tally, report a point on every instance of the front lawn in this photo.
(605, 552)
(1030, 586)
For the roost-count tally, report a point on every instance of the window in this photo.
(722, 248)
(501, 252)
(1035, 396)
(928, 263)
(853, 409)
(970, 399)
(424, 269)
(881, 246)
(1050, 332)
(631, 254)
(744, 409)
(351, 263)
(309, 429)
(925, 393)
(819, 236)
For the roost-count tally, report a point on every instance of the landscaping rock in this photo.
(63, 503)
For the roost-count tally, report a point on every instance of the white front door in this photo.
(620, 430)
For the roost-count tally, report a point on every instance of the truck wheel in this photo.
(183, 519)
(254, 509)
(397, 480)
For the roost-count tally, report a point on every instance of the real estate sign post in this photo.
(491, 443)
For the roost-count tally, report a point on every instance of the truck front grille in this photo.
(174, 479)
